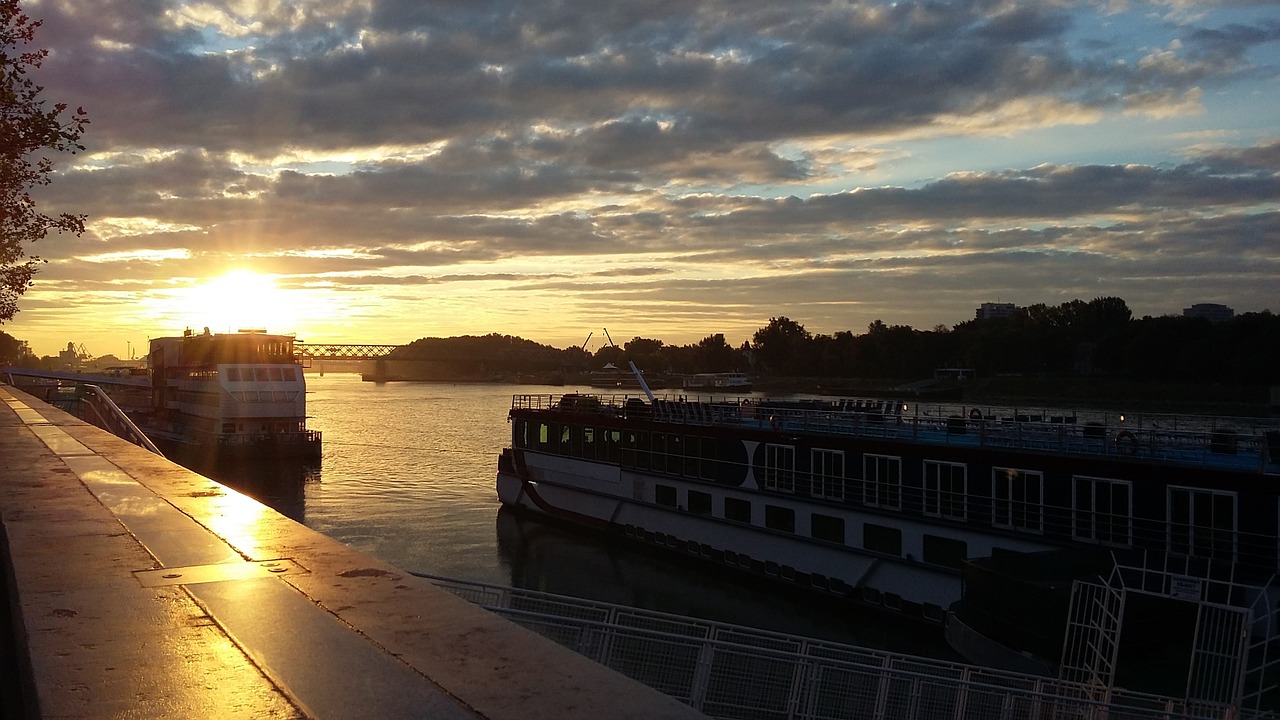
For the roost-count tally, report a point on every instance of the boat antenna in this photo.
(634, 371)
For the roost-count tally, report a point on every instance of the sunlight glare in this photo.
(240, 299)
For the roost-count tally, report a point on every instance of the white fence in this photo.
(727, 671)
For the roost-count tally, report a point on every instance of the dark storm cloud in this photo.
(406, 144)
(721, 73)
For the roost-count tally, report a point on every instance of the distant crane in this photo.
(634, 370)
(76, 353)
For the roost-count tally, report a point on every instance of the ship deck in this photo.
(1226, 443)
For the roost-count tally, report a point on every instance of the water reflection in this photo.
(408, 477)
(280, 486)
(547, 556)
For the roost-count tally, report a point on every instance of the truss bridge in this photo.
(327, 351)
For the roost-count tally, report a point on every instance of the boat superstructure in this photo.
(727, 383)
(229, 397)
(896, 503)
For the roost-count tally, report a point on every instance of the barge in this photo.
(229, 400)
(990, 521)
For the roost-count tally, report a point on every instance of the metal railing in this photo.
(1251, 444)
(728, 671)
(99, 409)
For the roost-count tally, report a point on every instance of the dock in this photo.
(134, 587)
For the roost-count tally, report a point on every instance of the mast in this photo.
(634, 370)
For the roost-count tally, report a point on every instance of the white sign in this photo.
(1184, 588)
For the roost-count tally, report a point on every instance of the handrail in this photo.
(132, 432)
(813, 668)
(1241, 443)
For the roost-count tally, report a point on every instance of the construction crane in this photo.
(75, 354)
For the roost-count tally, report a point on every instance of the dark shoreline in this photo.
(1084, 392)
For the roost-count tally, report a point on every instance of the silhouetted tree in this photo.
(782, 346)
(27, 129)
(713, 354)
(12, 350)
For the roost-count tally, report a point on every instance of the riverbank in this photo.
(1095, 392)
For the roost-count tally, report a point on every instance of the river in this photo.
(408, 476)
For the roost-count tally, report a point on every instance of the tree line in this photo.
(1096, 337)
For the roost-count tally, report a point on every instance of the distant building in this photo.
(991, 311)
(1213, 312)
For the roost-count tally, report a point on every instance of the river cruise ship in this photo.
(229, 399)
(952, 513)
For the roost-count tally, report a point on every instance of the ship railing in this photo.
(724, 670)
(1243, 443)
(290, 437)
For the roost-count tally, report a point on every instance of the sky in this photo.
(378, 171)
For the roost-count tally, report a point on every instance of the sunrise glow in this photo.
(237, 300)
(276, 165)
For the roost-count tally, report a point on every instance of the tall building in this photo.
(990, 311)
(1213, 312)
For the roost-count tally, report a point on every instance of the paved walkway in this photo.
(141, 589)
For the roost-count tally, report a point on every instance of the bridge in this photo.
(330, 351)
(8, 372)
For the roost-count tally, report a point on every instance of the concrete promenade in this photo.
(135, 588)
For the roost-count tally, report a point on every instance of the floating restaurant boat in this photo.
(724, 383)
(1025, 532)
(228, 399)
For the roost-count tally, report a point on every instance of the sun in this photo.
(237, 300)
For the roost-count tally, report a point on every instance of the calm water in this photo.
(408, 477)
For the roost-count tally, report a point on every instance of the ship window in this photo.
(708, 448)
(737, 509)
(828, 474)
(1202, 523)
(260, 374)
(643, 447)
(692, 455)
(544, 436)
(882, 481)
(562, 447)
(825, 527)
(658, 452)
(664, 495)
(1102, 511)
(780, 467)
(276, 374)
(881, 539)
(944, 489)
(674, 454)
(945, 551)
(779, 518)
(699, 502)
(1017, 499)
(612, 445)
(233, 374)
(581, 442)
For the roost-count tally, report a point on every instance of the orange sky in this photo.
(379, 172)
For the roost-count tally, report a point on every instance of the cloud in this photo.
(748, 153)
